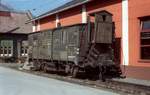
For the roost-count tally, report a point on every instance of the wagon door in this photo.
(72, 42)
(56, 44)
(30, 40)
(49, 44)
(35, 49)
(46, 45)
(40, 45)
(63, 53)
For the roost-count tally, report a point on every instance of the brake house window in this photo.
(145, 39)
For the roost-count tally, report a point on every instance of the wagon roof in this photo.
(64, 7)
(57, 28)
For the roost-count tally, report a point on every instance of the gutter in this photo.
(11, 31)
(49, 14)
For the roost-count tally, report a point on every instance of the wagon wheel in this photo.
(101, 77)
(36, 65)
(67, 69)
(42, 66)
(87, 72)
(75, 71)
(45, 68)
(101, 73)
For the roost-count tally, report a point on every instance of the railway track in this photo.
(116, 86)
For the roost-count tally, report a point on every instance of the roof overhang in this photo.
(56, 12)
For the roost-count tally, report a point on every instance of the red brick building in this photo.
(132, 28)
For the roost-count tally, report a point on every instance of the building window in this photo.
(9, 50)
(24, 51)
(145, 38)
(6, 49)
(1, 51)
(24, 48)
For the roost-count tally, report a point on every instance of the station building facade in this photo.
(132, 28)
(13, 34)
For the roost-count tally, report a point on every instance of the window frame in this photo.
(24, 48)
(6, 48)
(143, 31)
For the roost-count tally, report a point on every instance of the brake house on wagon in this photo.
(132, 29)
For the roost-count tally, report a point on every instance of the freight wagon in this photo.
(82, 47)
(59, 46)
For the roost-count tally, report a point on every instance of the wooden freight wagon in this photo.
(58, 46)
(77, 47)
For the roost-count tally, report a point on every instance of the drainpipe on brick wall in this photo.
(125, 32)
(33, 27)
(57, 20)
(84, 14)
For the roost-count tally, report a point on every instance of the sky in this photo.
(37, 7)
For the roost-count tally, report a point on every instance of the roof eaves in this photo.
(42, 16)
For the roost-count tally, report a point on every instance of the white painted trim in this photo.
(125, 32)
(33, 28)
(57, 20)
(84, 14)
(5, 54)
(9, 55)
(24, 54)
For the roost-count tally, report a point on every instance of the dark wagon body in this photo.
(88, 47)
(60, 44)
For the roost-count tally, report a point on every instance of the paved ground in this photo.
(134, 81)
(18, 83)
